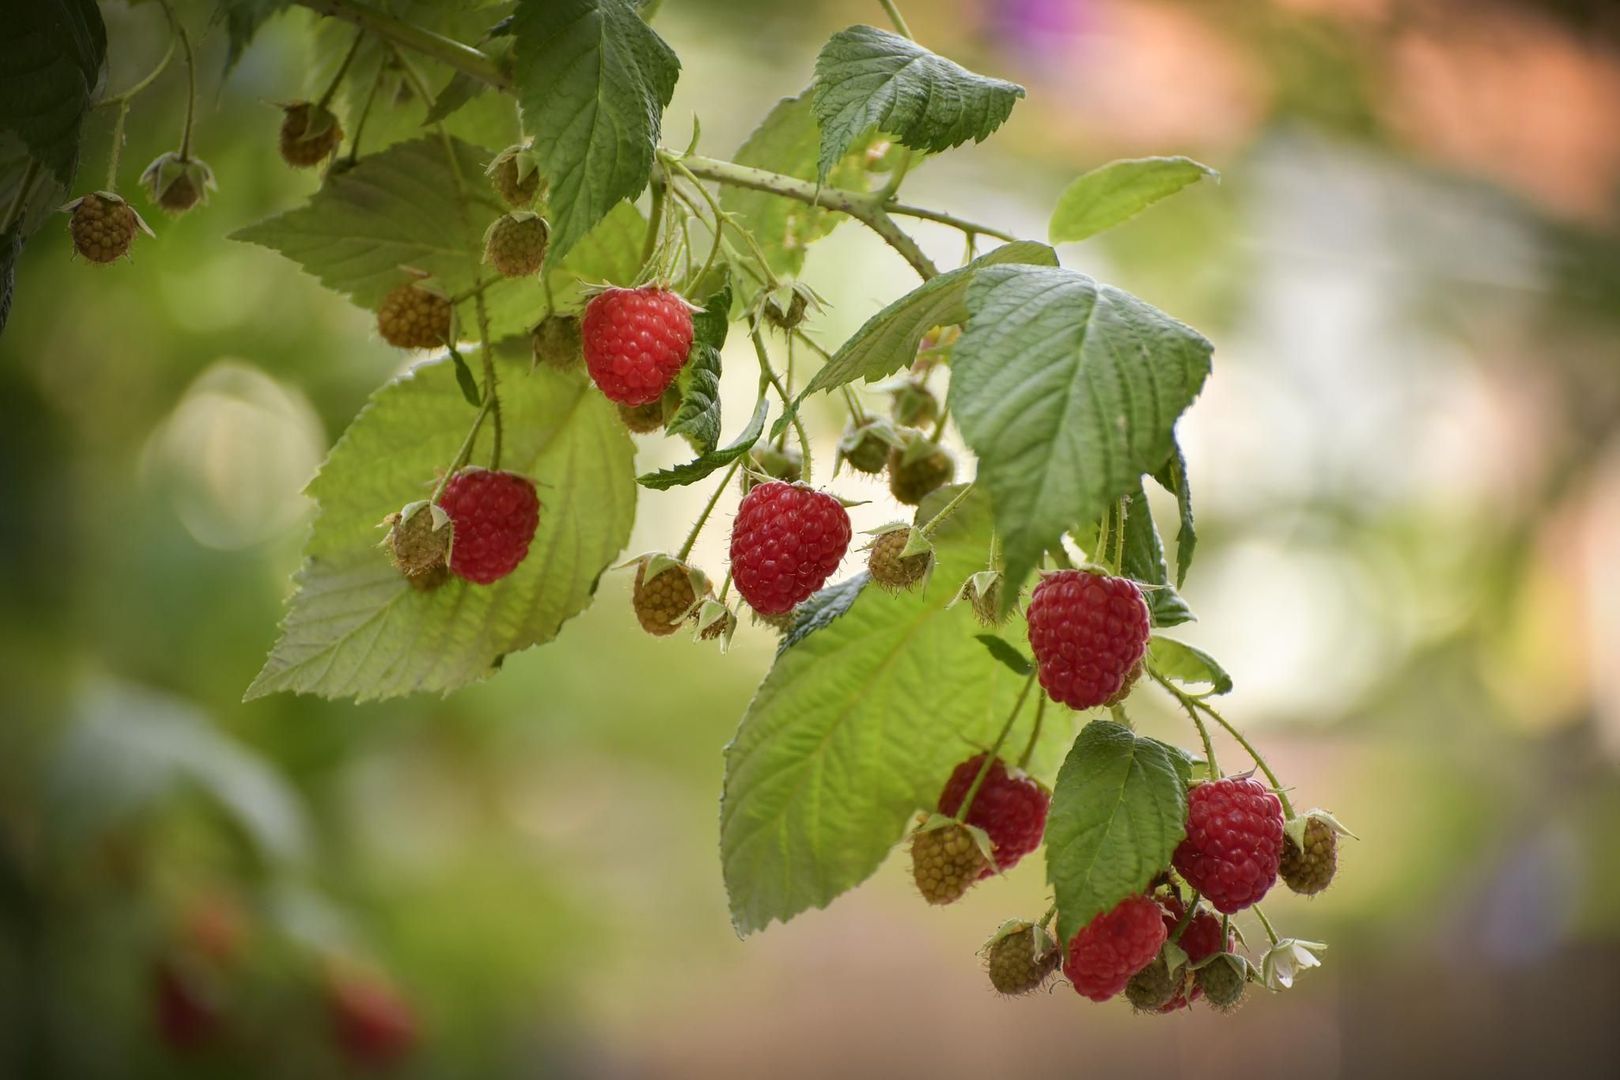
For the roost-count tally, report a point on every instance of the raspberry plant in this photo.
(572, 277)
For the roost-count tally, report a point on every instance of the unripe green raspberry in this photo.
(419, 542)
(1309, 869)
(864, 448)
(515, 245)
(945, 862)
(1020, 958)
(892, 571)
(914, 404)
(309, 134)
(1152, 988)
(643, 419)
(556, 341)
(666, 601)
(1223, 982)
(513, 176)
(912, 481)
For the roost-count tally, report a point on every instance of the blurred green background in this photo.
(1407, 469)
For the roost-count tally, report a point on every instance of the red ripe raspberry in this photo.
(787, 540)
(494, 515)
(373, 1024)
(1234, 842)
(636, 342)
(1010, 808)
(1200, 940)
(1114, 946)
(1088, 632)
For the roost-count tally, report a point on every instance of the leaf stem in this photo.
(1276, 785)
(1119, 537)
(455, 54)
(860, 207)
(708, 508)
(1186, 918)
(895, 17)
(141, 84)
(1034, 733)
(191, 79)
(1265, 922)
(492, 389)
(343, 69)
(1192, 714)
(990, 756)
(787, 401)
(117, 149)
(465, 451)
(655, 219)
(365, 114)
(945, 512)
(969, 228)
(1046, 920)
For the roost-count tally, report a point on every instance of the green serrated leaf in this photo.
(888, 341)
(1143, 562)
(402, 208)
(697, 469)
(1117, 192)
(869, 79)
(593, 80)
(1067, 390)
(821, 609)
(698, 418)
(51, 58)
(1187, 664)
(857, 726)
(1172, 476)
(787, 141)
(356, 629)
(1015, 661)
(1118, 811)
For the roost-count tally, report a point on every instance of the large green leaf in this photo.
(888, 341)
(870, 79)
(1117, 192)
(856, 727)
(51, 56)
(356, 629)
(1068, 391)
(1119, 809)
(788, 141)
(414, 205)
(593, 80)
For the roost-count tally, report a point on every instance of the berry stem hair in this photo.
(1034, 732)
(990, 755)
(1192, 714)
(769, 374)
(708, 508)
